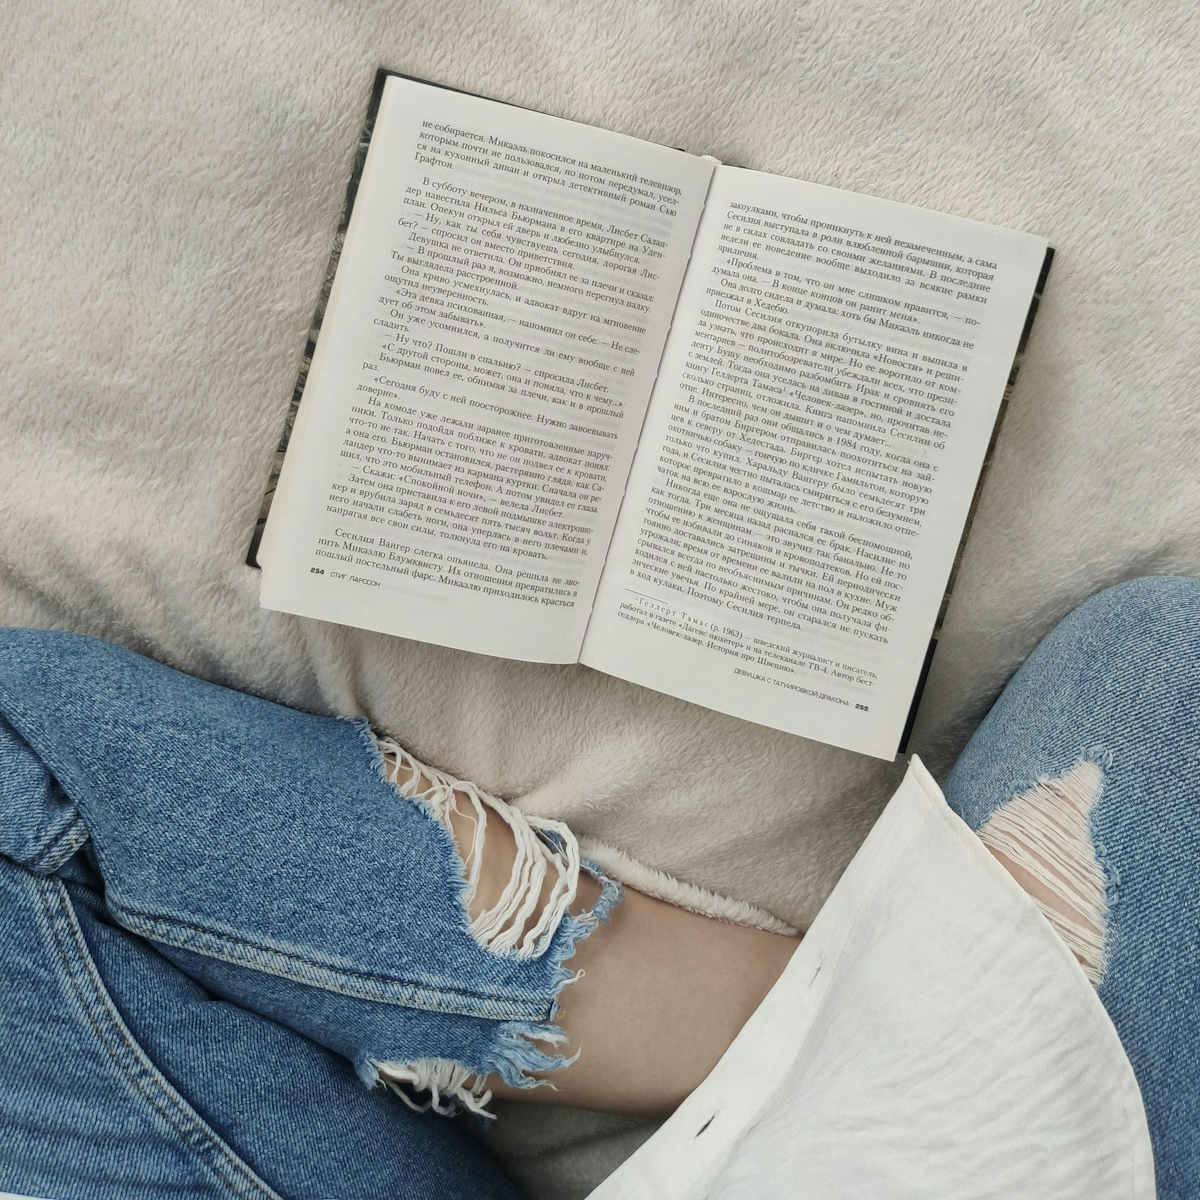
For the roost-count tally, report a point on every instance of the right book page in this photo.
(821, 415)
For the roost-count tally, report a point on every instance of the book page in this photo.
(481, 376)
(822, 412)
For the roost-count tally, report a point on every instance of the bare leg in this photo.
(664, 990)
(1042, 838)
(664, 993)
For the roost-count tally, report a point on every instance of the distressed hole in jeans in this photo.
(521, 872)
(1043, 839)
(521, 880)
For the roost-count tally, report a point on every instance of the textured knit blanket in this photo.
(173, 176)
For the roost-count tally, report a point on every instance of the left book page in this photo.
(491, 339)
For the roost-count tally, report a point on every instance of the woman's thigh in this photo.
(1104, 715)
(120, 1079)
(255, 845)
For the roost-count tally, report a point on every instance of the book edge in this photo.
(314, 328)
(1001, 412)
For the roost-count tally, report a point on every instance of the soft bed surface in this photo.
(173, 175)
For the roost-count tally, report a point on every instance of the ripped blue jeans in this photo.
(218, 910)
(218, 913)
(1103, 722)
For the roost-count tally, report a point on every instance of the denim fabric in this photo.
(1118, 683)
(122, 1079)
(288, 903)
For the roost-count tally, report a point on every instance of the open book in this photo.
(582, 398)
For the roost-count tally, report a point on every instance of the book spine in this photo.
(360, 158)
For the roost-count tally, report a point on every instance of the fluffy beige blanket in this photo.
(173, 175)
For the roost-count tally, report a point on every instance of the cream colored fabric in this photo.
(932, 1036)
(173, 175)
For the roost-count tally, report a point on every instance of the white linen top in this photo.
(931, 1038)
